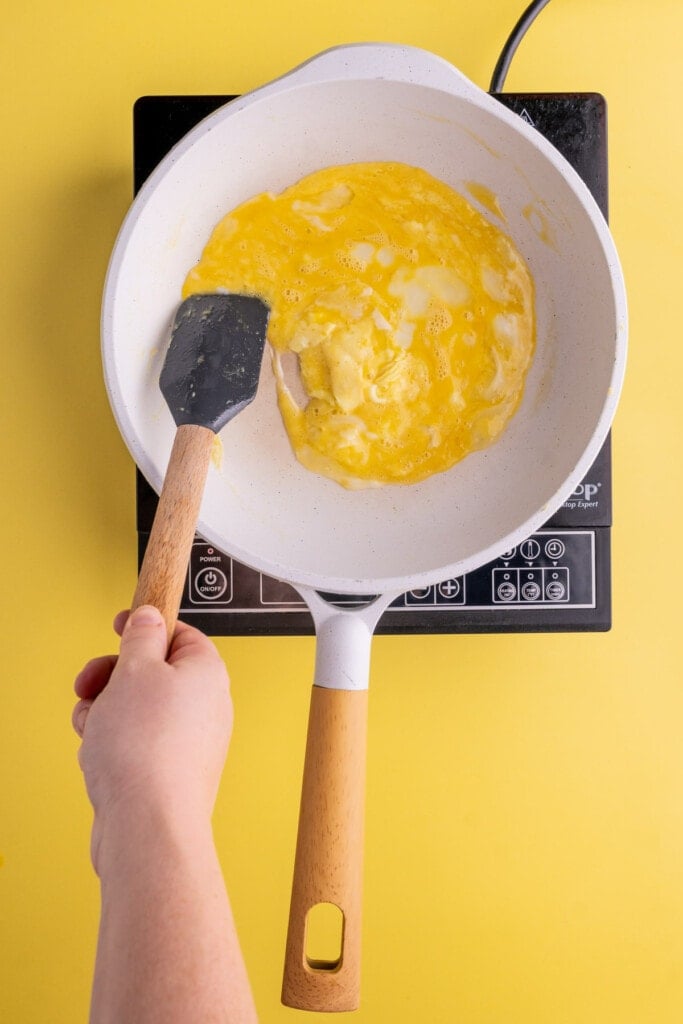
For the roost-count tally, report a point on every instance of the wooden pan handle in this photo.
(167, 555)
(328, 867)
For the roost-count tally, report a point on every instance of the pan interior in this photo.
(261, 505)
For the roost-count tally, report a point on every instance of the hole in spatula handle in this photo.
(324, 937)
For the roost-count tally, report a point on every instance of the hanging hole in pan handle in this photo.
(324, 937)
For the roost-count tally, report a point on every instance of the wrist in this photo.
(133, 835)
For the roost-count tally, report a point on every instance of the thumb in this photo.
(144, 636)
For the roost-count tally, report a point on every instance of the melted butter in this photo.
(539, 224)
(410, 317)
(217, 452)
(487, 198)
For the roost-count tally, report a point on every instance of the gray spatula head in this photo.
(212, 366)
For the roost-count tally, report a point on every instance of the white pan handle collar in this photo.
(344, 640)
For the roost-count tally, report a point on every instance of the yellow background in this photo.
(524, 845)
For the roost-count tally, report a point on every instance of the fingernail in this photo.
(79, 716)
(146, 615)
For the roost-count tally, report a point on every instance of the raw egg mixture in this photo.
(402, 320)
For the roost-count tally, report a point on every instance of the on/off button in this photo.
(210, 583)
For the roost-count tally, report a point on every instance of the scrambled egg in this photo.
(402, 320)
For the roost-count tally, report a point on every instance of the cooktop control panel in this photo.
(552, 569)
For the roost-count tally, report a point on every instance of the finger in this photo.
(189, 642)
(79, 716)
(94, 676)
(144, 637)
(120, 621)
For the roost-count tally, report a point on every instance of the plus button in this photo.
(449, 588)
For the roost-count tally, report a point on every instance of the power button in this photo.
(211, 583)
(210, 579)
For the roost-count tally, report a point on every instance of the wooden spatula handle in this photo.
(328, 866)
(167, 555)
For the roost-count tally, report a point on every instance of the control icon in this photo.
(210, 583)
(447, 594)
(554, 548)
(210, 579)
(506, 589)
(530, 549)
(556, 589)
(540, 584)
(531, 590)
(449, 589)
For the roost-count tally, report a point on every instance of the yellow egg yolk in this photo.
(408, 318)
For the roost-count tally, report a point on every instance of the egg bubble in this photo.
(378, 238)
(443, 364)
(439, 320)
(349, 261)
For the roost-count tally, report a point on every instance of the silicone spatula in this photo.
(210, 374)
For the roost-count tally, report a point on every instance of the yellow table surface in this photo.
(524, 849)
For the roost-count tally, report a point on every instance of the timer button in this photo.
(556, 588)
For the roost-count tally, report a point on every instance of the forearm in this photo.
(167, 948)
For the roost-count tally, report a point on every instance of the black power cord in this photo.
(513, 41)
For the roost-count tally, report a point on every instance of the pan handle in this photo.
(328, 866)
(392, 61)
(164, 567)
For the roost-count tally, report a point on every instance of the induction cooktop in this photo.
(557, 580)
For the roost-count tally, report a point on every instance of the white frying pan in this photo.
(358, 103)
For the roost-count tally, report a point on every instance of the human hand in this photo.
(155, 729)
